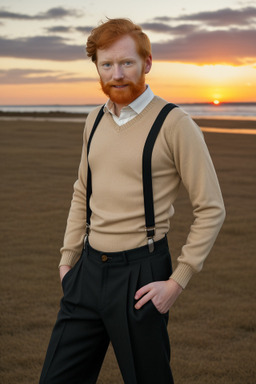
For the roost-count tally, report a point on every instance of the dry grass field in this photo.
(212, 325)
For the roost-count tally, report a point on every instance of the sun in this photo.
(216, 102)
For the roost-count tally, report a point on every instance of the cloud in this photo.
(39, 76)
(235, 47)
(59, 29)
(206, 38)
(163, 19)
(221, 17)
(41, 47)
(53, 13)
(164, 28)
(84, 29)
(65, 29)
(224, 17)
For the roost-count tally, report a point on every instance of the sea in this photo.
(227, 110)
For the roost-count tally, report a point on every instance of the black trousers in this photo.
(98, 307)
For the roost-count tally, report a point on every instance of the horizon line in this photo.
(95, 104)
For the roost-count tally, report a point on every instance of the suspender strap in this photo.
(147, 174)
(89, 176)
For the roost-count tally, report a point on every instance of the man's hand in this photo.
(63, 270)
(162, 293)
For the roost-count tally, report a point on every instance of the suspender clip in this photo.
(151, 245)
(87, 231)
(150, 236)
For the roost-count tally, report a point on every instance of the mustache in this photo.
(118, 83)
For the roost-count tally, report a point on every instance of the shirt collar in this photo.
(136, 105)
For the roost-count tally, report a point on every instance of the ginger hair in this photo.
(110, 31)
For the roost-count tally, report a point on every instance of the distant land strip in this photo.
(207, 124)
(219, 122)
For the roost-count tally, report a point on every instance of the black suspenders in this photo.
(146, 171)
(89, 176)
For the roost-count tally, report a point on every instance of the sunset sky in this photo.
(202, 51)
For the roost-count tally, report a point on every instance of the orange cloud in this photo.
(233, 47)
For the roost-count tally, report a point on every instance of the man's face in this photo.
(122, 71)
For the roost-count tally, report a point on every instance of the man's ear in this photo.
(148, 64)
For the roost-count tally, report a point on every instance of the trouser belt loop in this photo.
(125, 257)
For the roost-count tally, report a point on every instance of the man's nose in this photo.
(118, 72)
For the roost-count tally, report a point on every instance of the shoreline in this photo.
(217, 124)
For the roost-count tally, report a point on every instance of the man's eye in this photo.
(128, 63)
(106, 65)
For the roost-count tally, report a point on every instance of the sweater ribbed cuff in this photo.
(69, 258)
(182, 274)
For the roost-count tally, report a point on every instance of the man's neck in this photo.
(118, 108)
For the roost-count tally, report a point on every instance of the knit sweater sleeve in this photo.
(76, 222)
(195, 167)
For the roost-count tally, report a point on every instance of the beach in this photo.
(212, 325)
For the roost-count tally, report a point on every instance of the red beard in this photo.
(125, 95)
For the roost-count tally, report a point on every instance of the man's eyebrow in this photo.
(120, 59)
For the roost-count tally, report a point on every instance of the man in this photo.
(122, 286)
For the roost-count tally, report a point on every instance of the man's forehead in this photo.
(125, 46)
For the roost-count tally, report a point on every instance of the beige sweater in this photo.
(118, 221)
